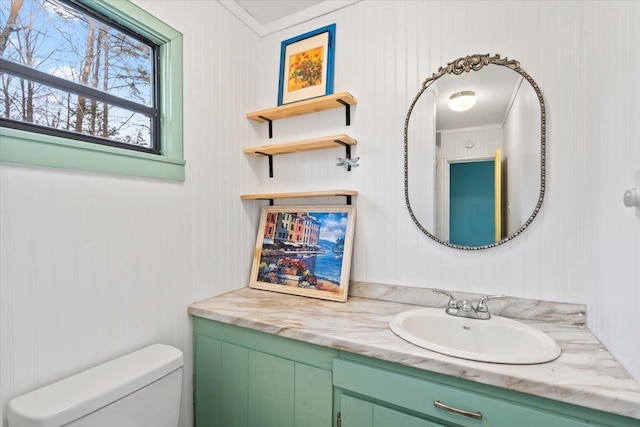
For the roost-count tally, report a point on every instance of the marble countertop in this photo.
(585, 374)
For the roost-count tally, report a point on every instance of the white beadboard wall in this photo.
(95, 266)
(522, 154)
(82, 283)
(485, 140)
(612, 152)
(584, 245)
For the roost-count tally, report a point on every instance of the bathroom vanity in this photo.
(268, 359)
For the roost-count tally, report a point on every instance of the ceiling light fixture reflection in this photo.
(462, 101)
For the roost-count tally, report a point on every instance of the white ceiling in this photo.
(267, 11)
(268, 16)
(494, 87)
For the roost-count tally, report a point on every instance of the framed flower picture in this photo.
(306, 65)
(304, 251)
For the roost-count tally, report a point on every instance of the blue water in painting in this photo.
(329, 266)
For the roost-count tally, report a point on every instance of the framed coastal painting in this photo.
(306, 65)
(304, 250)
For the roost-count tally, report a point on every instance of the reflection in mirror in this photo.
(475, 152)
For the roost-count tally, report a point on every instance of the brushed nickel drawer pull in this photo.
(474, 415)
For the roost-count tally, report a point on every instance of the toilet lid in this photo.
(78, 395)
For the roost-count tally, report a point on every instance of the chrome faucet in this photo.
(464, 308)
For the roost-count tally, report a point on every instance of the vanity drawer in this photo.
(418, 395)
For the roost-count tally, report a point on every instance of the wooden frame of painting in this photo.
(306, 65)
(304, 250)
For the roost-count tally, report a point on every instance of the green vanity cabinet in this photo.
(360, 412)
(247, 378)
(389, 394)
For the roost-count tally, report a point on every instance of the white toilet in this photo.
(140, 389)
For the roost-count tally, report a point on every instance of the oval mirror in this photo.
(474, 153)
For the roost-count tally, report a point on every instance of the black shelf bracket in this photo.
(348, 200)
(270, 202)
(347, 109)
(270, 156)
(270, 125)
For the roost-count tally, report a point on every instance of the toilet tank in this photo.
(140, 389)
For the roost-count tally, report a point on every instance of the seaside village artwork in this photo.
(301, 249)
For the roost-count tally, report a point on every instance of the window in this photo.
(90, 85)
(70, 72)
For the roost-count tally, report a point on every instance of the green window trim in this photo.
(23, 147)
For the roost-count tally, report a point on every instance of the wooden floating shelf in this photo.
(300, 146)
(304, 107)
(299, 195)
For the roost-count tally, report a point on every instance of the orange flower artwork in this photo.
(305, 69)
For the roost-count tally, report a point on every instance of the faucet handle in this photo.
(453, 304)
(482, 304)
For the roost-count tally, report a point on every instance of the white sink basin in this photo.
(496, 340)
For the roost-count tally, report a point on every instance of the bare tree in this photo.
(93, 110)
(7, 97)
(54, 37)
(9, 27)
(105, 85)
(26, 42)
(84, 75)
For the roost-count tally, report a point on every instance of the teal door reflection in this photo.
(471, 203)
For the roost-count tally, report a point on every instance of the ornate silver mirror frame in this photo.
(464, 65)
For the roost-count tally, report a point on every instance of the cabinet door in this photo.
(234, 385)
(207, 381)
(313, 397)
(356, 412)
(271, 391)
(239, 387)
(221, 384)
